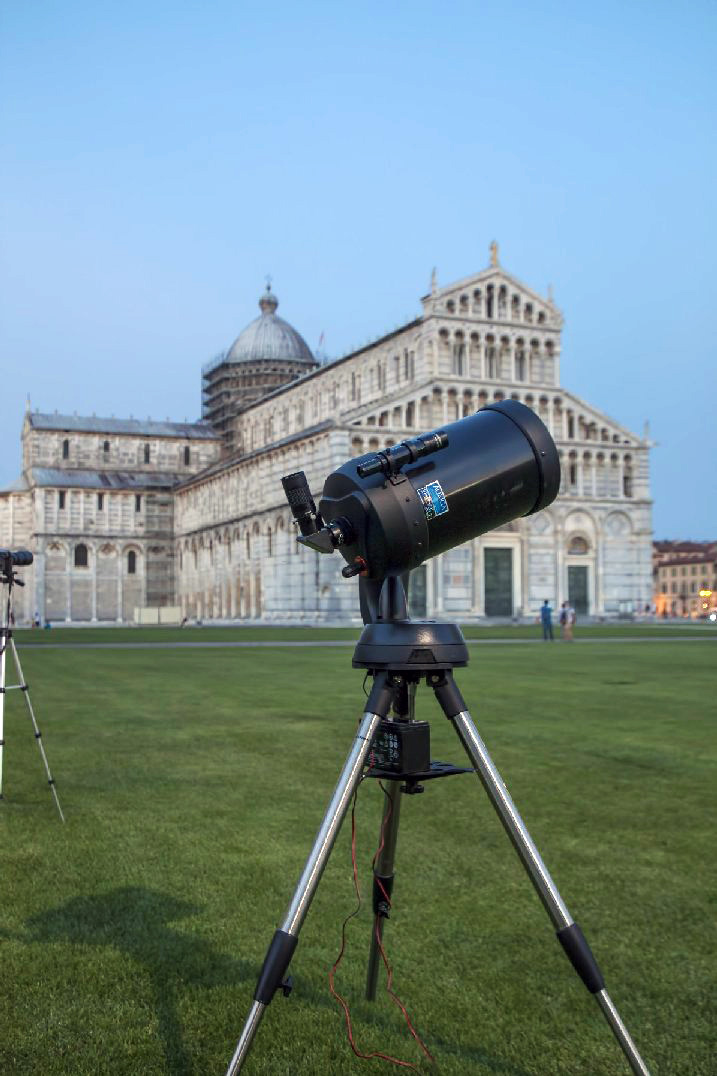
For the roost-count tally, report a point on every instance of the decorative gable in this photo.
(495, 296)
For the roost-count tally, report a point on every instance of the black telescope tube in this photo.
(19, 557)
(546, 456)
(492, 472)
(493, 467)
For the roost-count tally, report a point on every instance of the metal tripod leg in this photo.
(3, 651)
(285, 939)
(569, 933)
(383, 880)
(38, 735)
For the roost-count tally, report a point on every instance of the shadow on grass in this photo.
(136, 921)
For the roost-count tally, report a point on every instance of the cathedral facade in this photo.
(194, 517)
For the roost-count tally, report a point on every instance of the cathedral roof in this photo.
(103, 480)
(139, 427)
(269, 337)
(18, 486)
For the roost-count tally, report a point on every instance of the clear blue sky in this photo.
(159, 159)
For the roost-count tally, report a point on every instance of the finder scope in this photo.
(390, 511)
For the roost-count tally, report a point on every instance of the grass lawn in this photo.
(194, 781)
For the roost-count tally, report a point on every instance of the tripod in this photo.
(400, 653)
(8, 577)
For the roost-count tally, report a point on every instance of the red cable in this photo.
(389, 970)
(342, 1002)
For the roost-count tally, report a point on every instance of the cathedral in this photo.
(131, 520)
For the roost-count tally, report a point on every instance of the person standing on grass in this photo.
(546, 619)
(569, 623)
(563, 619)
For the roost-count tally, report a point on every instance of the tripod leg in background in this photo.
(3, 649)
(383, 880)
(38, 735)
(285, 939)
(569, 933)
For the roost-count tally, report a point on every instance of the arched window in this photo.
(65, 449)
(131, 562)
(146, 453)
(504, 357)
(489, 301)
(519, 360)
(490, 357)
(578, 546)
(187, 455)
(80, 556)
(106, 448)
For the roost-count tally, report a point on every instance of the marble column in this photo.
(120, 566)
(92, 551)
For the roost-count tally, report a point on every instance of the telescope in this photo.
(20, 558)
(387, 513)
(13, 558)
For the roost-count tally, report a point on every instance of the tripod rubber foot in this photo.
(277, 960)
(580, 956)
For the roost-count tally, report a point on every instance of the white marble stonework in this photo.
(485, 338)
(213, 532)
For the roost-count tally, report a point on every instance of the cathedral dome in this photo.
(270, 337)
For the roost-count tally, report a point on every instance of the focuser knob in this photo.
(358, 566)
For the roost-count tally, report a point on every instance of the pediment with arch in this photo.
(618, 525)
(580, 523)
(495, 295)
(541, 524)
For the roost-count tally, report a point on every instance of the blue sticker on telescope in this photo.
(433, 500)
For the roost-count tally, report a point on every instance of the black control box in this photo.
(401, 747)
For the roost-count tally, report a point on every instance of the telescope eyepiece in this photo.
(301, 502)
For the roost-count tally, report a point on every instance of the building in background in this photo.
(268, 353)
(214, 536)
(685, 578)
(95, 504)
